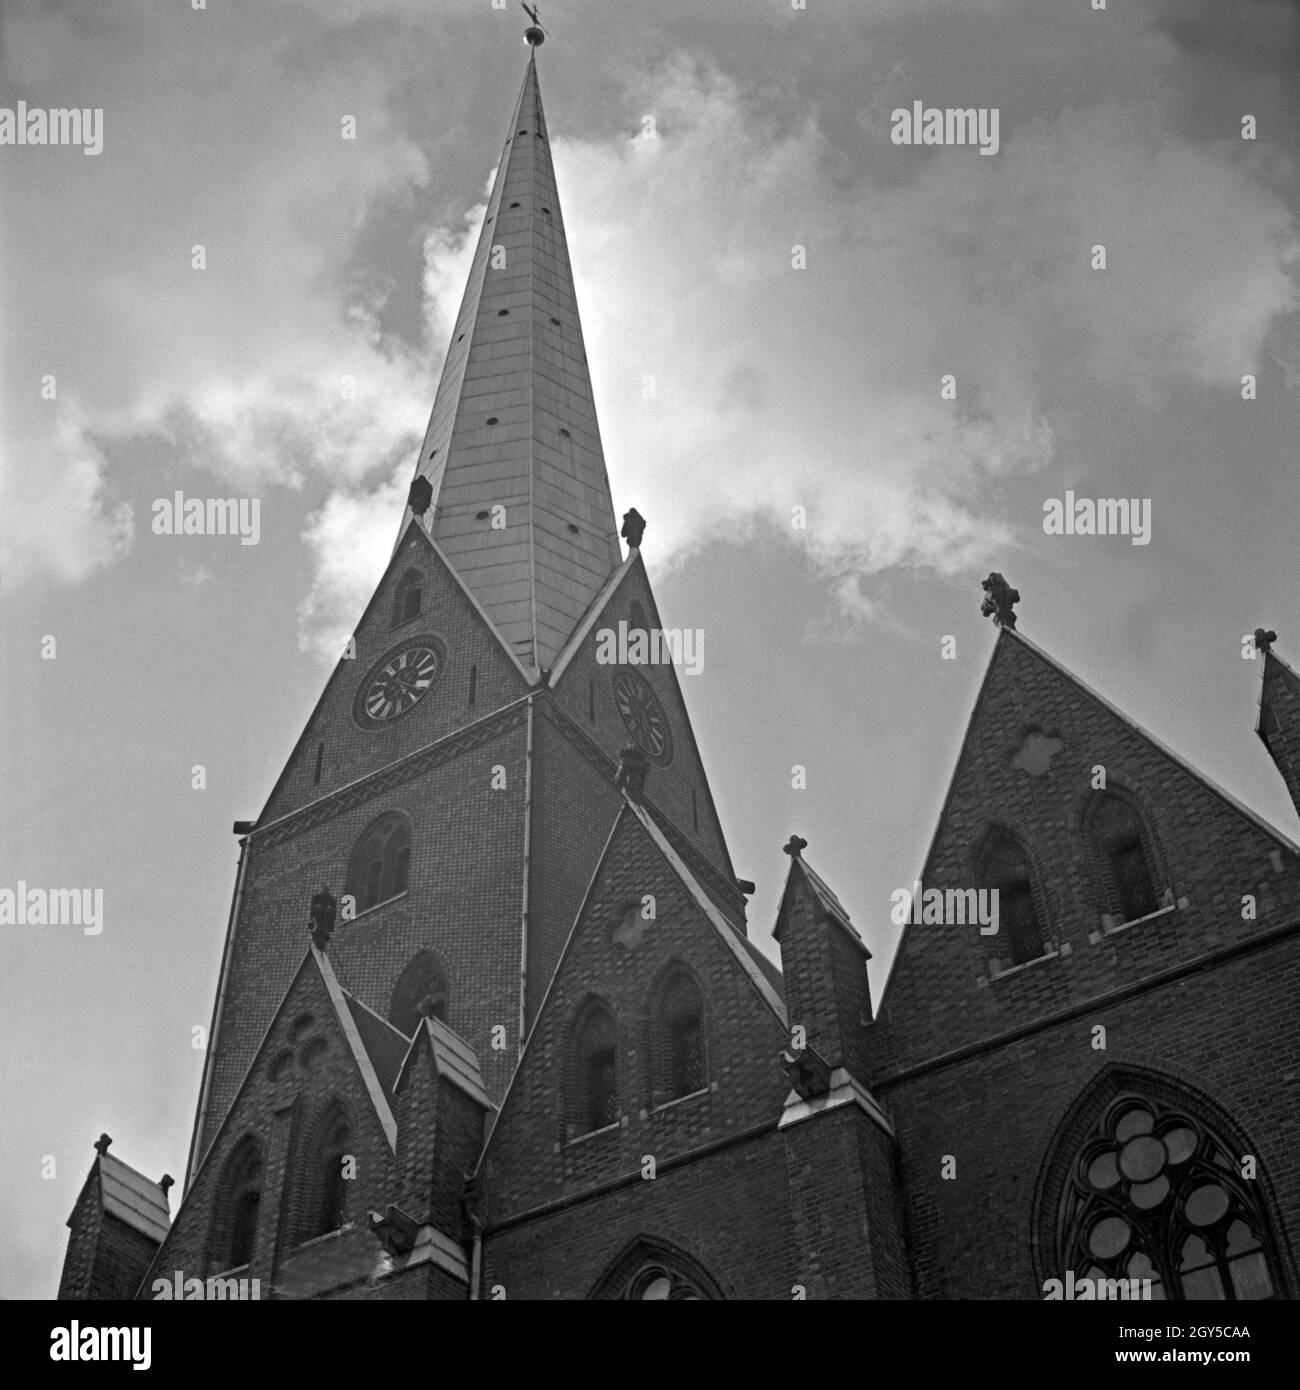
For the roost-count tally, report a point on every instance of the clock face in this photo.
(644, 716)
(398, 682)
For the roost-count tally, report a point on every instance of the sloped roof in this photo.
(514, 417)
(384, 1044)
(453, 1057)
(742, 949)
(829, 903)
(1014, 635)
(132, 1197)
(1274, 669)
(380, 1095)
(768, 966)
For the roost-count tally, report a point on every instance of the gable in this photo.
(584, 688)
(313, 1053)
(531, 1155)
(1037, 740)
(478, 675)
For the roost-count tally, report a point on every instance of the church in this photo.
(489, 1023)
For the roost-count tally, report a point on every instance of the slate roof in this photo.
(1274, 668)
(454, 1057)
(384, 1044)
(514, 417)
(133, 1198)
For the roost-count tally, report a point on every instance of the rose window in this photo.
(1155, 1195)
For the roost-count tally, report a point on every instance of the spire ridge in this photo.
(518, 498)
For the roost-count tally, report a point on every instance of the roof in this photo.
(372, 1069)
(454, 1059)
(1006, 634)
(514, 417)
(384, 1044)
(133, 1198)
(1276, 671)
(1239, 806)
(768, 966)
(760, 975)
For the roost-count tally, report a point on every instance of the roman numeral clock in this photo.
(398, 681)
(644, 716)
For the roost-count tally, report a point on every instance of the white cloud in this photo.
(56, 520)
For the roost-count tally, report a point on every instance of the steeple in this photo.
(520, 502)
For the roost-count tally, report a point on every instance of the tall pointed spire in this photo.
(520, 499)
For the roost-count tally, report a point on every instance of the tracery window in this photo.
(657, 1283)
(381, 863)
(652, 1270)
(1157, 1194)
(420, 992)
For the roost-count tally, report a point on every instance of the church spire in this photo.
(518, 496)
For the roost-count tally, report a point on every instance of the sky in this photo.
(698, 145)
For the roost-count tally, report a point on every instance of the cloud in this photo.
(732, 387)
(57, 521)
(775, 387)
(350, 539)
(265, 367)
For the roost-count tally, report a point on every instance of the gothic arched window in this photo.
(593, 1071)
(1156, 1193)
(1122, 858)
(657, 1283)
(407, 597)
(237, 1210)
(325, 1199)
(381, 862)
(677, 1057)
(651, 1271)
(420, 992)
(1004, 866)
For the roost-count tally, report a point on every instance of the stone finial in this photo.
(795, 846)
(323, 907)
(102, 1143)
(633, 528)
(999, 597)
(1264, 640)
(633, 765)
(166, 1182)
(420, 495)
